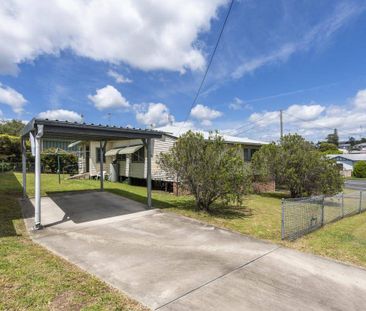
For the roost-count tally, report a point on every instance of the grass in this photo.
(259, 216)
(31, 278)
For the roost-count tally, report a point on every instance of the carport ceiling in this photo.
(83, 131)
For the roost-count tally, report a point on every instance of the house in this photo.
(347, 161)
(126, 160)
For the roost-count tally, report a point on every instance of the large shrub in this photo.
(359, 169)
(10, 148)
(209, 169)
(68, 161)
(297, 165)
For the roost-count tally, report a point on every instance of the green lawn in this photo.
(26, 287)
(31, 278)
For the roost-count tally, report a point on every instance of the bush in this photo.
(5, 167)
(209, 169)
(10, 148)
(359, 169)
(297, 165)
(68, 161)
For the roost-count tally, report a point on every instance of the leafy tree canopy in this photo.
(333, 138)
(328, 148)
(359, 169)
(11, 127)
(209, 169)
(297, 165)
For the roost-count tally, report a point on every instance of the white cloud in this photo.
(238, 104)
(360, 99)
(12, 98)
(1, 114)
(156, 114)
(312, 121)
(316, 36)
(108, 97)
(119, 78)
(205, 114)
(61, 115)
(144, 34)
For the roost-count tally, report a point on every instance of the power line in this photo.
(308, 121)
(210, 61)
(256, 124)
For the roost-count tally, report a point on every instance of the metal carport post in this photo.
(38, 128)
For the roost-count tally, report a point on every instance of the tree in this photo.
(10, 148)
(359, 169)
(68, 161)
(11, 127)
(209, 169)
(299, 166)
(333, 138)
(328, 148)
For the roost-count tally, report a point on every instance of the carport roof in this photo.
(83, 131)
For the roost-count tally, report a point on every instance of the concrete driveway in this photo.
(169, 262)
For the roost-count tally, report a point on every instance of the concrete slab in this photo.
(171, 262)
(282, 280)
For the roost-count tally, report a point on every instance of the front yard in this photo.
(32, 278)
(260, 217)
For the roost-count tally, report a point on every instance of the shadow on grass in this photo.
(10, 211)
(275, 195)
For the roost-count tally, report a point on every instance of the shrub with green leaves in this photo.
(68, 161)
(210, 169)
(297, 165)
(359, 169)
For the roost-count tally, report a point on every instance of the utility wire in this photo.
(255, 125)
(210, 61)
(307, 121)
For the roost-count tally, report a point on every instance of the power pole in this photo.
(281, 124)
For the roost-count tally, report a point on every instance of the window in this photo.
(121, 157)
(139, 156)
(248, 154)
(97, 155)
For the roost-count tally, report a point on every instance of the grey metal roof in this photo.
(83, 131)
(349, 156)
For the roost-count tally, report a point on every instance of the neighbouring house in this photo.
(126, 160)
(347, 161)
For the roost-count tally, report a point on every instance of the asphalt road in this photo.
(355, 184)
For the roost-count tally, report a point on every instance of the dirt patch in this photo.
(69, 301)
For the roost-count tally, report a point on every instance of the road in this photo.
(355, 184)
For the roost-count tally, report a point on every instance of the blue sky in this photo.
(138, 64)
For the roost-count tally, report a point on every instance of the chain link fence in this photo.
(303, 215)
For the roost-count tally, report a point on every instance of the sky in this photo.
(140, 63)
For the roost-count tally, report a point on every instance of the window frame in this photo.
(136, 157)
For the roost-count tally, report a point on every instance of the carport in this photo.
(37, 129)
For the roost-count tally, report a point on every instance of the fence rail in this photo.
(303, 215)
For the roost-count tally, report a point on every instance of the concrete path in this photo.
(169, 262)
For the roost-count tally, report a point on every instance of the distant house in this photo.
(128, 159)
(347, 161)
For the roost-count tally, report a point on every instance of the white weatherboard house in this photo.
(347, 161)
(127, 159)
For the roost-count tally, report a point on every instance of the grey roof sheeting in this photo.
(83, 131)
